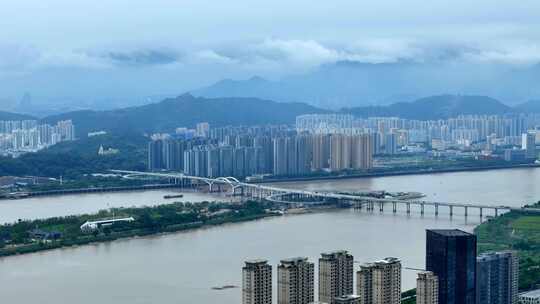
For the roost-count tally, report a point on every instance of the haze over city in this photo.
(126, 53)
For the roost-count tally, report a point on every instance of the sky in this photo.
(115, 48)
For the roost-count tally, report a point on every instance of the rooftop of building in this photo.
(334, 253)
(294, 260)
(389, 260)
(450, 232)
(531, 294)
(256, 261)
(385, 261)
(497, 253)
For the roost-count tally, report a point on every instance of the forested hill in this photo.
(14, 116)
(187, 110)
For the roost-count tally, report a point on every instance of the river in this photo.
(183, 267)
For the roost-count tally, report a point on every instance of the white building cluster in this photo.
(18, 137)
(517, 133)
(463, 130)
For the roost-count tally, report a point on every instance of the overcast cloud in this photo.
(241, 38)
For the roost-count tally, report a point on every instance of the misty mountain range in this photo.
(344, 84)
(354, 84)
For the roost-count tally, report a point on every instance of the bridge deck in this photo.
(331, 195)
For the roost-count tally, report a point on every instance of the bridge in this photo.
(287, 196)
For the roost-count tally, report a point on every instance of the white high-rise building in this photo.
(427, 288)
(203, 129)
(257, 282)
(295, 281)
(528, 143)
(380, 282)
(335, 276)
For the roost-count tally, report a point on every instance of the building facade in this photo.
(451, 256)
(379, 282)
(531, 297)
(427, 288)
(497, 275)
(295, 281)
(257, 282)
(335, 275)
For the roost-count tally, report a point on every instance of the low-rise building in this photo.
(531, 297)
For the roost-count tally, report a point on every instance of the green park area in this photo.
(26, 236)
(517, 231)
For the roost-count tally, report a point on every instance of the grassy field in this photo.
(520, 232)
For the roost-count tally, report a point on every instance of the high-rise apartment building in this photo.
(155, 155)
(321, 152)
(390, 143)
(292, 156)
(451, 256)
(203, 129)
(295, 281)
(362, 152)
(335, 275)
(280, 156)
(427, 288)
(379, 282)
(257, 282)
(528, 143)
(497, 278)
(304, 150)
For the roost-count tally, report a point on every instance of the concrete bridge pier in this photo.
(381, 207)
(466, 211)
(496, 212)
(422, 209)
(451, 211)
(394, 207)
(481, 212)
(436, 209)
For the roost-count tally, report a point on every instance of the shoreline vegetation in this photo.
(31, 236)
(515, 231)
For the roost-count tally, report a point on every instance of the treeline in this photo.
(16, 238)
(73, 159)
(517, 231)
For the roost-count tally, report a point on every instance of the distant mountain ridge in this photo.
(356, 84)
(436, 107)
(14, 116)
(186, 111)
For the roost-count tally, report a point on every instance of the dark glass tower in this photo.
(451, 255)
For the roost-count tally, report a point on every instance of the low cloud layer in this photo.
(202, 41)
(271, 54)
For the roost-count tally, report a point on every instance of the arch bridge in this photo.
(287, 196)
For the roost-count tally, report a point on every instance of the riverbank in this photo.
(515, 231)
(68, 191)
(139, 187)
(395, 173)
(39, 235)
